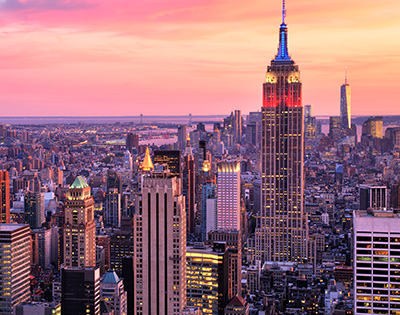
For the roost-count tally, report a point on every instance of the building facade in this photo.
(160, 250)
(4, 197)
(79, 226)
(281, 230)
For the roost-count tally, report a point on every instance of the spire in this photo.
(345, 77)
(283, 54)
(283, 12)
(147, 164)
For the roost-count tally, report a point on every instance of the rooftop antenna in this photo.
(345, 78)
(283, 12)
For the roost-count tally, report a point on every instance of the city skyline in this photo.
(81, 57)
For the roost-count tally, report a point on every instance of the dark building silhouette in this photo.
(132, 141)
(170, 157)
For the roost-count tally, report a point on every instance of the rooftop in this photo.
(79, 183)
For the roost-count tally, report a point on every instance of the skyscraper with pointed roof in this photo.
(79, 227)
(281, 232)
(345, 104)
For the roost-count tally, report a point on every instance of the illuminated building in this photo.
(233, 241)
(34, 210)
(373, 127)
(122, 243)
(80, 291)
(160, 247)
(345, 105)
(309, 123)
(172, 158)
(373, 197)
(4, 197)
(112, 208)
(147, 164)
(15, 266)
(112, 293)
(335, 128)
(79, 227)
(207, 273)
(228, 195)
(376, 262)
(281, 230)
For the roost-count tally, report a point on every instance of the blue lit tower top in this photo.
(283, 54)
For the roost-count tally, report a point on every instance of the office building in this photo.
(281, 230)
(373, 127)
(233, 240)
(172, 158)
(228, 195)
(4, 197)
(79, 226)
(182, 133)
(252, 133)
(207, 276)
(128, 276)
(113, 294)
(34, 210)
(132, 141)
(335, 128)
(160, 252)
(122, 243)
(376, 262)
(114, 181)
(237, 306)
(112, 208)
(208, 214)
(237, 125)
(189, 186)
(80, 291)
(373, 197)
(41, 248)
(345, 105)
(15, 266)
(309, 123)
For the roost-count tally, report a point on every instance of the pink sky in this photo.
(160, 57)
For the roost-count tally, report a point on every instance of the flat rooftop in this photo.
(8, 227)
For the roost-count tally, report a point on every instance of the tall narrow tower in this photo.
(281, 232)
(79, 228)
(345, 104)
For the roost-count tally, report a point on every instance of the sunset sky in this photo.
(175, 57)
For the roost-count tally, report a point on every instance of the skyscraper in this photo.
(182, 133)
(228, 195)
(79, 227)
(4, 197)
(170, 157)
(281, 231)
(34, 210)
(160, 252)
(132, 141)
(345, 105)
(15, 266)
(112, 208)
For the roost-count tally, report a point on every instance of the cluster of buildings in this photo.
(263, 214)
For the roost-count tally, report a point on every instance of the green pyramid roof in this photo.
(79, 183)
(110, 277)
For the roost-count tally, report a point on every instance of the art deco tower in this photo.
(281, 232)
(345, 105)
(79, 228)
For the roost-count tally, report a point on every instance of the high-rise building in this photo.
(132, 141)
(128, 274)
(122, 243)
(207, 277)
(281, 230)
(160, 252)
(345, 105)
(309, 123)
(237, 125)
(335, 128)
(79, 227)
(228, 195)
(208, 214)
(15, 266)
(80, 291)
(252, 133)
(373, 127)
(34, 210)
(113, 294)
(189, 186)
(112, 208)
(4, 197)
(114, 181)
(373, 197)
(182, 133)
(172, 158)
(376, 262)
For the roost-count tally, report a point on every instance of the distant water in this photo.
(184, 120)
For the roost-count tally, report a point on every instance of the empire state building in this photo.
(281, 231)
